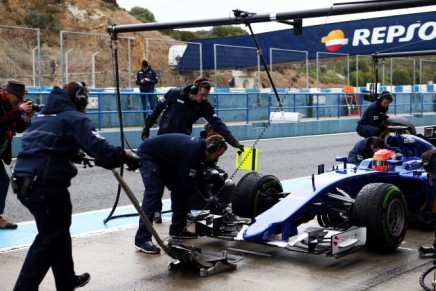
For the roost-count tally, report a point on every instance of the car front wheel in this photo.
(382, 208)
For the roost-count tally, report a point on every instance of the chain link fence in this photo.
(20, 55)
(238, 63)
(176, 63)
(87, 57)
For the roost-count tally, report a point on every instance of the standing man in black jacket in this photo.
(146, 79)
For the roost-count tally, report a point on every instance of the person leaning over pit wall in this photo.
(365, 149)
(181, 108)
(15, 116)
(42, 175)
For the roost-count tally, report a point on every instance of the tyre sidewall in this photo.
(371, 209)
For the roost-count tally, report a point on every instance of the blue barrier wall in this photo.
(252, 131)
(250, 106)
(325, 112)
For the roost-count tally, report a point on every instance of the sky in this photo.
(184, 10)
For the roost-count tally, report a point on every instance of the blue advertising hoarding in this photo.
(401, 33)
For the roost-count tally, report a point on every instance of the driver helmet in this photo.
(379, 160)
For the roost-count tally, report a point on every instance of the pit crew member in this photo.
(372, 122)
(173, 160)
(42, 175)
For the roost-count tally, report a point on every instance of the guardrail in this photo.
(251, 106)
(104, 103)
(325, 104)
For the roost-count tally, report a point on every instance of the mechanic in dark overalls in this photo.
(181, 108)
(429, 165)
(42, 175)
(365, 149)
(373, 119)
(176, 161)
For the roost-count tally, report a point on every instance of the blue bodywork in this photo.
(310, 195)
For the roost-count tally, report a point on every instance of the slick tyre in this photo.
(254, 194)
(382, 208)
(399, 120)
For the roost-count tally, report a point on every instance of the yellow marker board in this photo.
(248, 159)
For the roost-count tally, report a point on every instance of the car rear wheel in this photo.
(255, 193)
(382, 208)
(401, 121)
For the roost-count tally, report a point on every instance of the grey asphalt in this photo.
(115, 265)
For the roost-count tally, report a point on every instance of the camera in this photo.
(35, 107)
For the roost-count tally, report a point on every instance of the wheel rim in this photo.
(264, 201)
(396, 217)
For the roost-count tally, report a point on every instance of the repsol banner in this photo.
(412, 32)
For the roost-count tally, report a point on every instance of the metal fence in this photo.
(88, 57)
(174, 64)
(20, 55)
(236, 63)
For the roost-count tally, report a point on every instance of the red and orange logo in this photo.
(334, 40)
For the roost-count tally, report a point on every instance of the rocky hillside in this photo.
(90, 17)
(53, 16)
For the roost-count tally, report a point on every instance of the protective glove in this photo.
(240, 148)
(145, 132)
(132, 161)
(106, 163)
(78, 158)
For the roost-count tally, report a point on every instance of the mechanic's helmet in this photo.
(379, 160)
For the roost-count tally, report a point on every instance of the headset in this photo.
(215, 145)
(205, 130)
(81, 96)
(385, 95)
(195, 87)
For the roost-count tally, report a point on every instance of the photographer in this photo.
(15, 116)
(42, 175)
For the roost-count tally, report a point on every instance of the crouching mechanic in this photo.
(176, 161)
(373, 119)
(365, 149)
(42, 175)
(220, 189)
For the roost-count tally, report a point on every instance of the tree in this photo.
(221, 31)
(402, 76)
(142, 14)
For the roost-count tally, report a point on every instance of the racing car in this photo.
(356, 206)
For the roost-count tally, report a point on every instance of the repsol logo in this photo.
(381, 35)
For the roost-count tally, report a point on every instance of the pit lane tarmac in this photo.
(109, 256)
